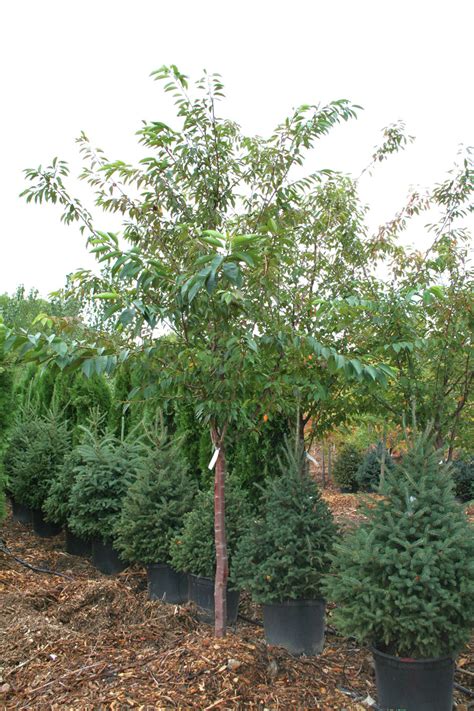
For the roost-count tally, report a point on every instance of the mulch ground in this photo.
(87, 641)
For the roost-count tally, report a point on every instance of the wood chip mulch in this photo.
(88, 641)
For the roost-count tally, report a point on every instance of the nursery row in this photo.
(403, 581)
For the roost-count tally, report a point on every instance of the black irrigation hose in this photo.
(464, 690)
(4, 549)
(257, 623)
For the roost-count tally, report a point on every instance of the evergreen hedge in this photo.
(285, 552)
(403, 581)
(81, 399)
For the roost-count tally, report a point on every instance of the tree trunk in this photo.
(222, 569)
(330, 461)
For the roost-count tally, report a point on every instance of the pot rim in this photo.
(293, 602)
(410, 660)
(202, 577)
(160, 565)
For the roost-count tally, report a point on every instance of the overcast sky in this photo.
(69, 66)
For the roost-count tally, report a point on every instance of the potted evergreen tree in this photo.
(403, 582)
(283, 555)
(368, 473)
(193, 549)
(345, 468)
(57, 507)
(15, 465)
(35, 454)
(463, 475)
(151, 516)
(108, 467)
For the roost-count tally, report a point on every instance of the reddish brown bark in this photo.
(220, 588)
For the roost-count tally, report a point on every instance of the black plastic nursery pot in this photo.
(20, 512)
(296, 625)
(105, 557)
(201, 592)
(76, 545)
(165, 583)
(414, 684)
(43, 528)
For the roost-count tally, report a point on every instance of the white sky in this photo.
(77, 65)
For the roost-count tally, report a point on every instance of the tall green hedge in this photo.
(76, 397)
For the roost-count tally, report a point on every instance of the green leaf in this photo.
(88, 367)
(107, 295)
(194, 289)
(232, 272)
(126, 317)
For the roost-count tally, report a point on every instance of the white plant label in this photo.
(311, 459)
(213, 461)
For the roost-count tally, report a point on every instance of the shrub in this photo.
(346, 466)
(285, 552)
(3, 486)
(34, 456)
(368, 473)
(193, 549)
(108, 466)
(57, 507)
(155, 504)
(404, 579)
(463, 475)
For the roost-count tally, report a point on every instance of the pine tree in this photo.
(404, 580)
(108, 467)
(193, 549)
(57, 506)
(368, 473)
(346, 466)
(463, 475)
(34, 456)
(285, 552)
(6, 408)
(155, 504)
